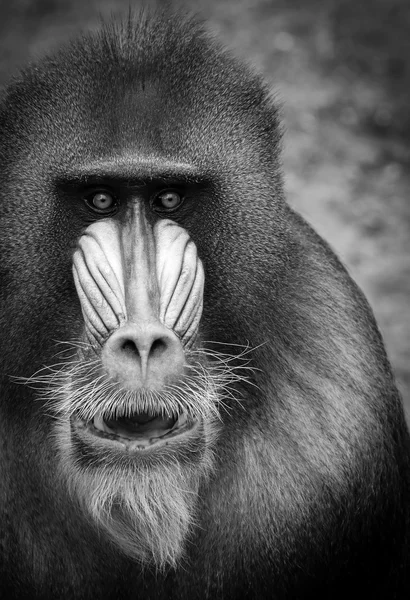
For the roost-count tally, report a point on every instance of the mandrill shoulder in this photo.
(331, 313)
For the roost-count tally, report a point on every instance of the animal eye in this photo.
(101, 202)
(167, 200)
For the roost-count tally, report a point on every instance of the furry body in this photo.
(297, 485)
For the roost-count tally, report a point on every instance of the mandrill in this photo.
(195, 399)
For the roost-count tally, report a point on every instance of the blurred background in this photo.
(341, 70)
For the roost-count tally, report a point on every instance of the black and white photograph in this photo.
(204, 300)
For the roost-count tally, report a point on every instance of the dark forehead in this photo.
(149, 83)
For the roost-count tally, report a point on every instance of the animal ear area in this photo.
(98, 278)
(181, 279)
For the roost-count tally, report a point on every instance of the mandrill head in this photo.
(114, 179)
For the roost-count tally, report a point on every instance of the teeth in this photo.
(99, 424)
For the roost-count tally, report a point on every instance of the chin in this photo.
(135, 460)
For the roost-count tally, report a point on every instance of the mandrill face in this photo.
(137, 409)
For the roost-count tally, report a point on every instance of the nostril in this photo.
(129, 347)
(135, 348)
(158, 347)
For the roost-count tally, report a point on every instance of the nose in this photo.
(146, 355)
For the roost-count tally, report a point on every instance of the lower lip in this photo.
(90, 435)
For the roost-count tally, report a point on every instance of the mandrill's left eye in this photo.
(101, 202)
(167, 200)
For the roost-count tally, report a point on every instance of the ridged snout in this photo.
(141, 293)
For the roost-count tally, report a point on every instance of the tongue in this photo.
(141, 425)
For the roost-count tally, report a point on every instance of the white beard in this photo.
(146, 510)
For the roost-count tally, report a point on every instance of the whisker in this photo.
(78, 386)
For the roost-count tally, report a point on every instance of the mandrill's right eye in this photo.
(101, 202)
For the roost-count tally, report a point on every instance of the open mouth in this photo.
(138, 431)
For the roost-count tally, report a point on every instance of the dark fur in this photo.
(310, 495)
